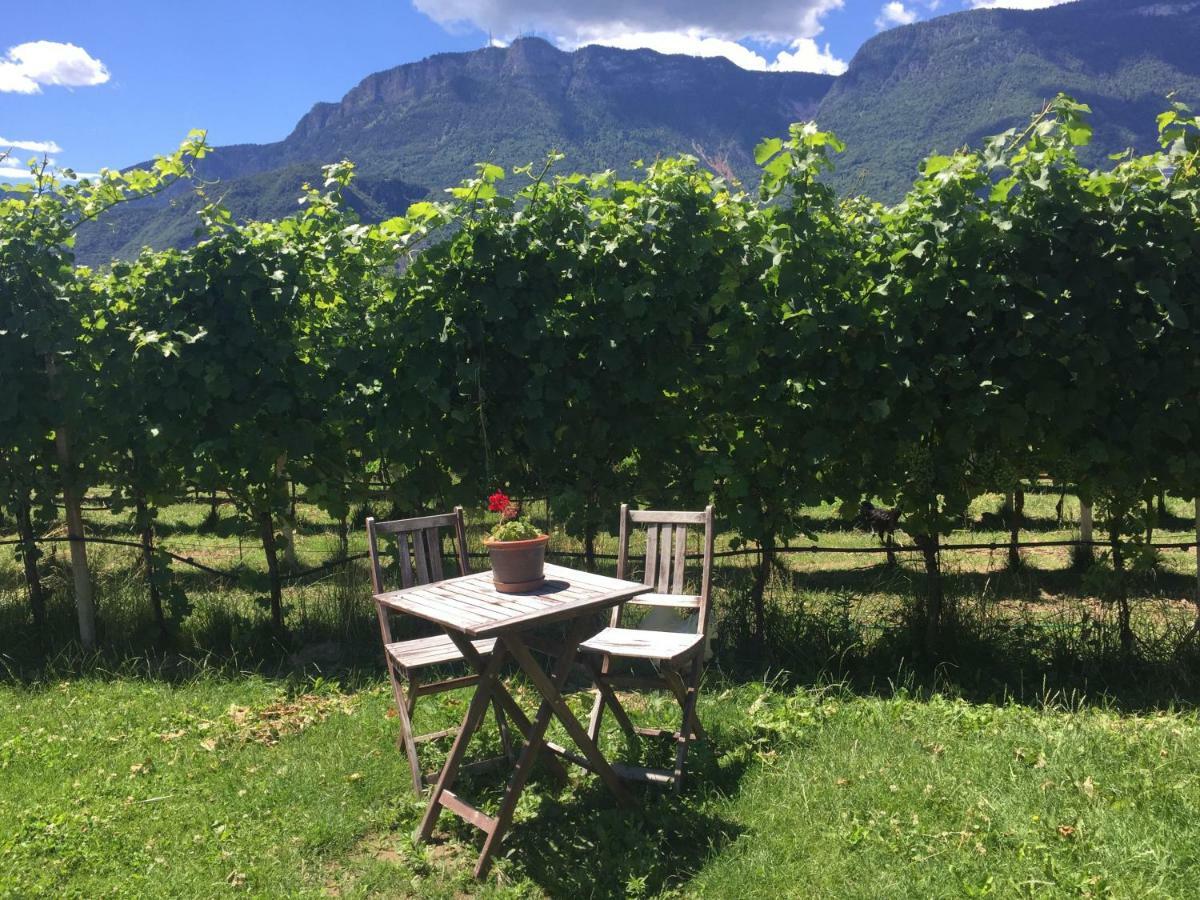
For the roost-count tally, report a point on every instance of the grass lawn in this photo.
(1035, 761)
(133, 787)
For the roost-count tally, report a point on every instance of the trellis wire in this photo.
(570, 554)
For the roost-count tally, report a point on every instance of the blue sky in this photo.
(113, 84)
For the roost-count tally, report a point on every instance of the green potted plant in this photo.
(516, 547)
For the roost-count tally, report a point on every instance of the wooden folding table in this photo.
(468, 608)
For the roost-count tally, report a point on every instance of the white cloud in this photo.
(779, 21)
(803, 56)
(807, 56)
(1013, 4)
(692, 43)
(31, 146)
(26, 67)
(893, 14)
(693, 27)
(10, 173)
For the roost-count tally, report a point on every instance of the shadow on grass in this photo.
(577, 842)
(586, 847)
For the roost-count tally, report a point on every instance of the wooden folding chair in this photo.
(419, 560)
(678, 656)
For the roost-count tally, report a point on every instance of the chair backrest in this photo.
(666, 559)
(419, 548)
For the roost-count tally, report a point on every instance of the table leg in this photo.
(510, 706)
(548, 687)
(534, 741)
(474, 715)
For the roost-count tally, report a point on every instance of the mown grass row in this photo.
(225, 786)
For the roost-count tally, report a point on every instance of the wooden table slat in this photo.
(476, 600)
(471, 605)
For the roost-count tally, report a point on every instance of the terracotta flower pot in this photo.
(518, 565)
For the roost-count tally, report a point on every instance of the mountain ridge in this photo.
(418, 128)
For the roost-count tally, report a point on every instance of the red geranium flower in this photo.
(497, 502)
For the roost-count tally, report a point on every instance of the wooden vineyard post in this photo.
(1084, 550)
(1015, 505)
(84, 602)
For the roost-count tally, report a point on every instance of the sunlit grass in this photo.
(1035, 761)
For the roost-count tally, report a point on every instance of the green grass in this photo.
(131, 787)
(1035, 760)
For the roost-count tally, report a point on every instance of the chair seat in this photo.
(636, 643)
(430, 651)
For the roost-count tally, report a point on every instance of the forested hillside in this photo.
(949, 81)
(419, 128)
(940, 84)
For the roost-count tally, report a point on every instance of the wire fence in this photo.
(238, 576)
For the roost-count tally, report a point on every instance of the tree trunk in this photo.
(344, 536)
(29, 557)
(766, 560)
(267, 527)
(589, 545)
(1016, 512)
(146, 527)
(289, 545)
(1150, 520)
(1123, 614)
(84, 602)
(289, 536)
(935, 599)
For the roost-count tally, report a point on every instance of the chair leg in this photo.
(607, 697)
(597, 707)
(404, 707)
(675, 682)
(689, 724)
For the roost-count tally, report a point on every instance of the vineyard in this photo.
(1019, 325)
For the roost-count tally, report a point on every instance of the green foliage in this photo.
(515, 530)
(50, 401)
(48, 379)
(667, 339)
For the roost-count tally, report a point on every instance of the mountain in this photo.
(419, 128)
(949, 81)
